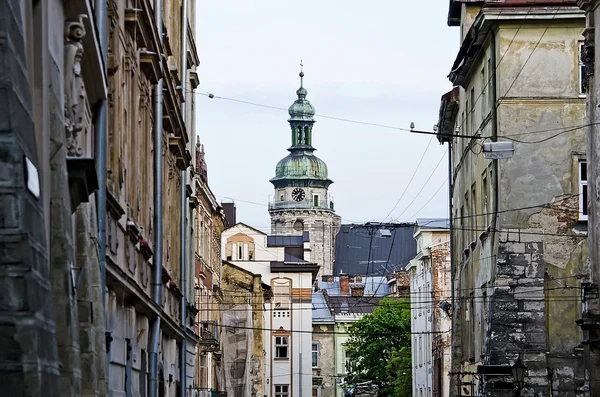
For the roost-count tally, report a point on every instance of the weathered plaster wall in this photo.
(326, 370)
(510, 279)
(240, 286)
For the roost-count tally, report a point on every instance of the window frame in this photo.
(281, 392)
(282, 342)
(583, 87)
(316, 360)
(582, 189)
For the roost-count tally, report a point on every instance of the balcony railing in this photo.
(209, 333)
(308, 203)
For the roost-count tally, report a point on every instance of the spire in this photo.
(301, 91)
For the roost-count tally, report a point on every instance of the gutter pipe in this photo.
(183, 237)
(158, 204)
(100, 144)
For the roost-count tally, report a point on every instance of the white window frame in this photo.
(315, 350)
(583, 190)
(282, 390)
(582, 70)
(282, 342)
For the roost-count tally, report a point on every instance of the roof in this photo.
(296, 267)
(320, 308)
(433, 223)
(353, 304)
(352, 249)
(374, 285)
(249, 227)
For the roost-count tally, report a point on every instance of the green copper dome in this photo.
(301, 109)
(301, 167)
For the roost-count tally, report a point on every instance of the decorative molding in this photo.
(75, 95)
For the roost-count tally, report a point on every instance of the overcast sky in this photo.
(381, 62)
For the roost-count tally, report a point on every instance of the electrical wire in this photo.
(410, 180)
(424, 184)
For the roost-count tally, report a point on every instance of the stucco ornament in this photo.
(74, 86)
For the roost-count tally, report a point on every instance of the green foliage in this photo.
(379, 348)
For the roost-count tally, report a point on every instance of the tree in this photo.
(379, 348)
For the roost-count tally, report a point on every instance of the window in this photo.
(483, 88)
(583, 191)
(282, 391)
(281, 294)
(474, 212)
(420, 350)
(240, 251)
(316, 391)
(315, 355)
(472, 111)
(492, 73)
(484, 199)
(348, 361)
(281, 347)
(315, 200)
(229, 251)
(583, 78)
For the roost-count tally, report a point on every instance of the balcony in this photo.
(308, 203)
(209, 333)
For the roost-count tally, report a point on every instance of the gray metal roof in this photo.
(353, 304)
(352, 249)
(433, 223)
(320, 310)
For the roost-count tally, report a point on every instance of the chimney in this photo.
(358, 290)
(230, 213)
(344, 284)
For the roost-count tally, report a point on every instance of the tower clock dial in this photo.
(298, 194)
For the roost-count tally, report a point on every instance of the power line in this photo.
(411, 179)
(428, 201)
(424, 184)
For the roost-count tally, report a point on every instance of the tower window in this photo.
(316, 200)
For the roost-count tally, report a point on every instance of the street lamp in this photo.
(518, 372)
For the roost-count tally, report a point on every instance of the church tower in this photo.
(301, 201)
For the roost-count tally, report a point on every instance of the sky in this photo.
(383, 62)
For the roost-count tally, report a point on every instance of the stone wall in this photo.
(322, 226)
(27, 326)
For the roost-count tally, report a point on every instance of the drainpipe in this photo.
(158, 220)
(183, 348)
(100, 145)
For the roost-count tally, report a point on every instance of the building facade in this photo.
(209, 223)
(347, 299)
(244, 299)
(53, 86)
(519, 223)
(430, 292)
(284, 263)
(324, 376)
(150, 267)
(591, 307)
(301, 201)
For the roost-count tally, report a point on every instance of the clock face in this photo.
(298, 194)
